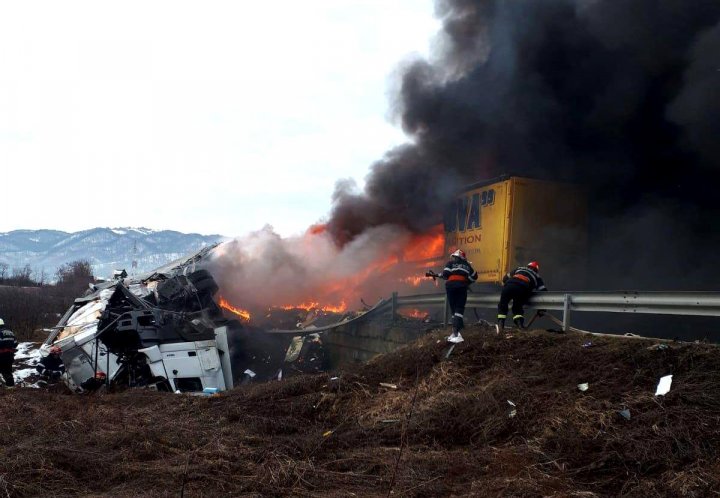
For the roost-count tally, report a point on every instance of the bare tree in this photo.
(28, 305)
(22, 277)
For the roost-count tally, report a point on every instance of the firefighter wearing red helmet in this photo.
(518, 286)
(458, 274)
(95, 383)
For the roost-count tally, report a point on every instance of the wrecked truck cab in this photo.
(161, 332)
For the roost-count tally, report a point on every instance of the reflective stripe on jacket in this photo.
(460, 272)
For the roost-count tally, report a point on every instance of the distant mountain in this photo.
(106, 249)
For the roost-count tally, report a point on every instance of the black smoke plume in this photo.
(622, 96)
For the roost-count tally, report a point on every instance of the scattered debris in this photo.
(664, 386)
(584, 386)
(588, 344)
(389, 386)
(658, 347)
(306, 354)
(248, 376)
(327, 433)
(625, 414)
(513, 412)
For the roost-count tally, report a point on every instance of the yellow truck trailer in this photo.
(507, 222)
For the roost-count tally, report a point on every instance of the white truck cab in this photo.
(164, 333)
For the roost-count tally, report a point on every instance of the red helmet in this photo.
(56, 350)
(534, 265)
(459, 253)
(100, 375)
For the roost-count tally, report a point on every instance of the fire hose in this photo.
(432, 274)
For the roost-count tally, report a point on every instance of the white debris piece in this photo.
(513, 412)
(664, 386)
(583, 387)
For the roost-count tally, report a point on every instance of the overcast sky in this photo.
(209, 117)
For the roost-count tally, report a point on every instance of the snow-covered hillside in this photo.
(106, 249)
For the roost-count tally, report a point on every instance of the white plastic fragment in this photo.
(510, 403)
(249, 373)
(584, 386)
(389, 386)
(664, 385)
(513, 412)
(625, 414)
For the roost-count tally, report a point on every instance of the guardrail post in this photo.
(566, 312)
(394, 306)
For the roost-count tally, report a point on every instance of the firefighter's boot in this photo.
(500, 325)
(519, 321)
(458, 325)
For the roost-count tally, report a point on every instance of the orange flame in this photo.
(414, 313)
(223, 303)
(426, 246)
(316, 306)
(317, 229)
(398, 266)
(414, 281)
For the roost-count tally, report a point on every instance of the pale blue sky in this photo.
(210, 117)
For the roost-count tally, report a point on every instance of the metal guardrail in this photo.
(642, 302)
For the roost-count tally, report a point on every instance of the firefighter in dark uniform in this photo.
(94, 383)
(458, 275)
(8, 346)
(51, 367)
(518, 286)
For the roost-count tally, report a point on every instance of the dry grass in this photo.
(310, 436)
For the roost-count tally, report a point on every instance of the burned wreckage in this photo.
(162, 331)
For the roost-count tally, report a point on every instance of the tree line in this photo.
(31, 302)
